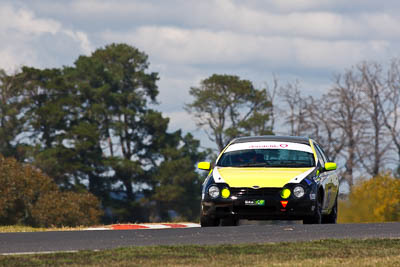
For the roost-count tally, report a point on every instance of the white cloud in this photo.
(304, 19)
(181, 120)
(24, 22)
(200, 46)
(111, 8)
(336, 19)
(40, 42)
(82, 39)
(182, 46)
(286, 6)
(337, 54)
(188, 40)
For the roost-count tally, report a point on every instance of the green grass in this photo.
(370, 252)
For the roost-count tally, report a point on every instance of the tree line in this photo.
(356, 120)
(91, 127)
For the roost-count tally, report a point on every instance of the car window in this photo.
(266, 158)
(321, 157)
(323, 153)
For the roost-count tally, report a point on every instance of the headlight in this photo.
(225, 193)
(285, 193)
(298, 191)
(213, 191)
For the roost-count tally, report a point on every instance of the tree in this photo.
(348, 115)
(374, 91)
(177, 185)
(337, 119)
(11, 121)
(295, 110)
(46, 100)
(389, 104)
(129, 140)
(226, 107)
(350, 120)
(113, 92)
(311, 116)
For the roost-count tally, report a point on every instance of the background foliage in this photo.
(27, 196)
(227, 107)
(373, 200)
(93, 128)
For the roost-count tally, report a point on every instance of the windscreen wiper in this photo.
(272, 165)
(259, 164)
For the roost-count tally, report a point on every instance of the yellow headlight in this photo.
(225, 193)
(285, 193)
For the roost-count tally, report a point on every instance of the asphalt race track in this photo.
(97, 240)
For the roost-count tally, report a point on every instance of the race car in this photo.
(270, 178)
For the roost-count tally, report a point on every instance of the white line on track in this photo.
(96, 228)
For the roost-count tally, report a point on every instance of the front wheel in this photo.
(208, 221)
(331, 218)
(317, 217)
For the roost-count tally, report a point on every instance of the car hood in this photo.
(260, 177)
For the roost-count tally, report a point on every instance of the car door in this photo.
(331, 182)
(334, 179)
(325, 179)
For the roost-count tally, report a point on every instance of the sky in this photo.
(189, 40)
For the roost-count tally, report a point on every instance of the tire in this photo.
(229, 222)
(317, 217)
(331, 218)
(207, 221)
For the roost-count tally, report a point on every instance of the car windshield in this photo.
(267, 158)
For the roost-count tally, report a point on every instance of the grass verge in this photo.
(370, 252)
(22, 228)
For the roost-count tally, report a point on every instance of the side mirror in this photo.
(330, 166)
(204, 166)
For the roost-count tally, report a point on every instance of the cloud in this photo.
(182, 120)
(184, 56)
(188, 40)
(205, 47)
(337, 55)
(82, 39)
(182, 46)
(301, 18)
(40, 42)
(24, 22)
(343, 6)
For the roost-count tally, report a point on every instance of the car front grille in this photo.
(250, 192)
(253, 210)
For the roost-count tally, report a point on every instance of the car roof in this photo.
(292, 139)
